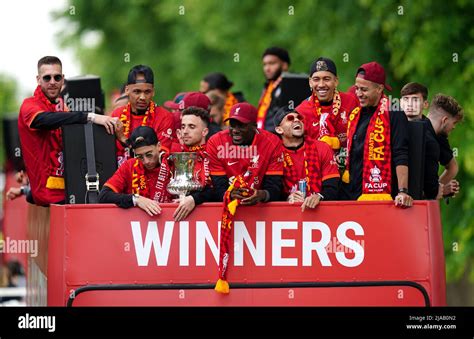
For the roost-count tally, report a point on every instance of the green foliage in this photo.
(431, 42)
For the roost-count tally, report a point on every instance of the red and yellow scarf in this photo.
(148, 118)
(377, 164)
(325, 129)
(265, 101)
(230, 207)
(158, 191)
(55, 179)
(230, 101)
(311, 168)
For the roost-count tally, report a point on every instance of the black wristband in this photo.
(403, 190)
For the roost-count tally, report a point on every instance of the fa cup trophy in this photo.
(184, 180)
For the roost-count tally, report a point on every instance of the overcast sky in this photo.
(27, 33)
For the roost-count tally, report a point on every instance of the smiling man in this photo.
(243, 150)
(377, 164)
(310, 161)
(141, 111)
(39, 122)
(326, 111)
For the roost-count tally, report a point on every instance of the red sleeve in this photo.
(275, 165)
(328, 163)
(116, 113)
(164, 128)
(122, 178)
(29, 110)
(176, 147)
(215, 165)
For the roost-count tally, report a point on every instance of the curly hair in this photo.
(447, 104)
(199, 112)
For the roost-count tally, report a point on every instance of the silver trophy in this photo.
(184, 180)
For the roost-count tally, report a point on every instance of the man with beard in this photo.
(140, 181)
(141, 111)
(194, 129)
(275, 61)
(377, 144)
(39, 122)
(309, 160)
(245, 151)
(444, 113)
(326, 111)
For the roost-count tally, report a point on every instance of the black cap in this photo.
(218, 80)
(143, 136)
(279, 52)
(281, 114)
(140, 70)
(323, 64)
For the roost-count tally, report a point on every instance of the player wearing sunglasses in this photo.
(308, 161)
(39, 122)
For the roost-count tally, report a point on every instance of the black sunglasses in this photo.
(57, 78)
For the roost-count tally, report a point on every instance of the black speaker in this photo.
(294, 88)
(84, 94)
(416, 158)
(75, 159)
(11, 140)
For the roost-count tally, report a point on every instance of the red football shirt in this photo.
(163, 125)
(121, 181)
(262, 157)
(42, 158)
(297, 170)
(336, 125)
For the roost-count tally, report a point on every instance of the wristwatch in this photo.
(403, 190)
(135, 199)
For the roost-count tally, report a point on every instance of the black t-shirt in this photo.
(399, 145)
(446, 153)
(432, 158)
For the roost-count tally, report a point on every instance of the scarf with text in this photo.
(230, 207)
(148, 118)
(156, 192)
(327, 132)
(377, 167)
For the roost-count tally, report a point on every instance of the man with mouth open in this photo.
(327, 110)
(377, 142)
(309, 160)
(39, 122)
(246, 151)
(141, 111)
